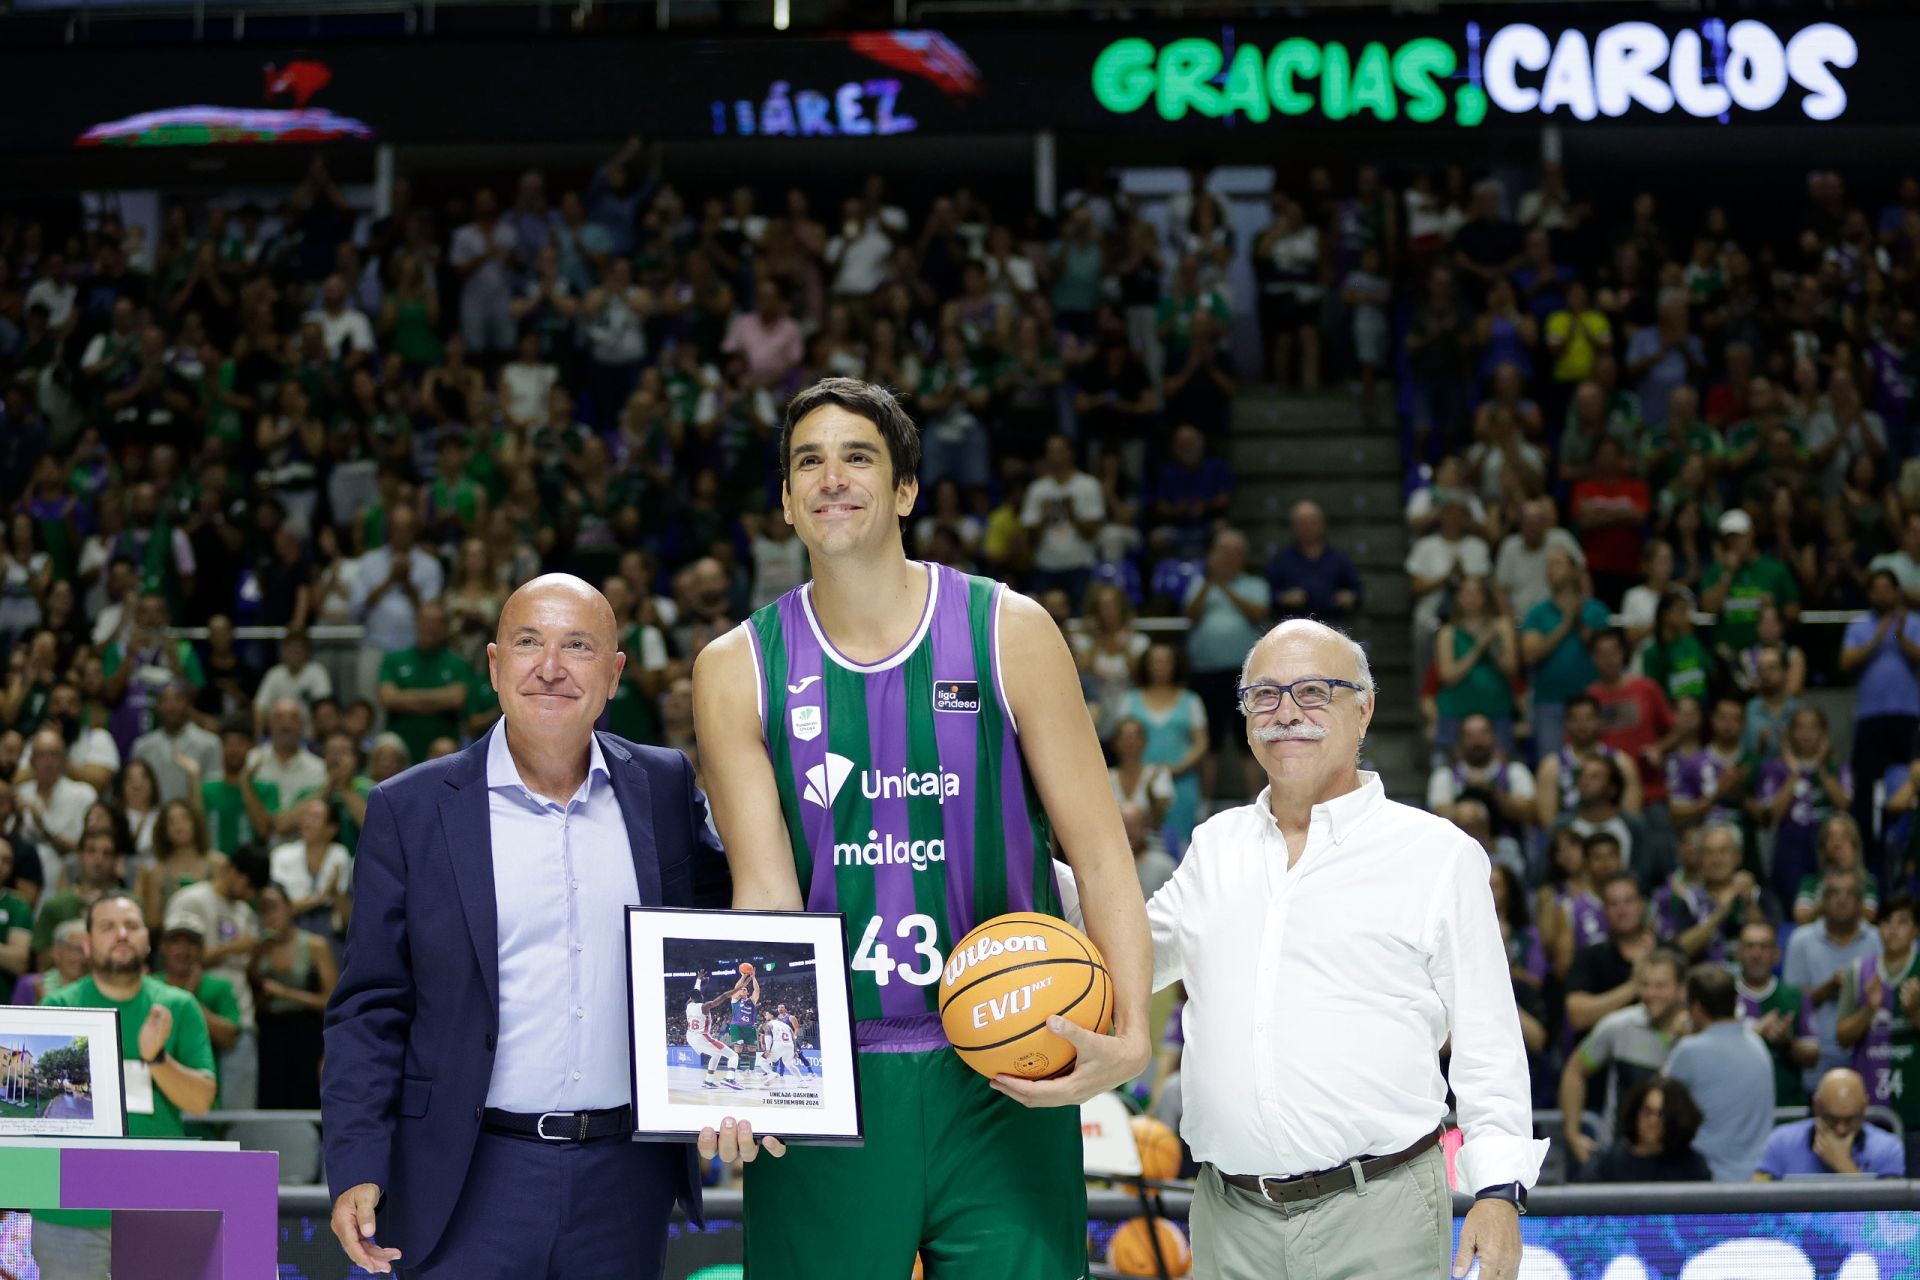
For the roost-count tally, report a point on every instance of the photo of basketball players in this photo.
(742, 1022)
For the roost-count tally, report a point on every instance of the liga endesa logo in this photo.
(1707, 72)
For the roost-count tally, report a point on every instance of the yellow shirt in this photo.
(1575, 362)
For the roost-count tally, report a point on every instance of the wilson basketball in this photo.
(919, 1271)
(745, 968)
(1130, 1252)
(1003, 981)
(1159, 1148)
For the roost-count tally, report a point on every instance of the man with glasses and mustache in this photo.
(1331, 941)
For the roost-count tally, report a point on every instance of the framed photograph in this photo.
(746, 1014)
(60, 1073)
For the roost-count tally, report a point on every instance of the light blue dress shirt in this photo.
(562, 880)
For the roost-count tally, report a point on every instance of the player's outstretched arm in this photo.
(746, 812)
(740, 782)
(1063, 756)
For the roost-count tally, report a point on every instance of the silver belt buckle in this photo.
(1265, 1178)
(540, 1126)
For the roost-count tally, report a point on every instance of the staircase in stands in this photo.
(1284, 447)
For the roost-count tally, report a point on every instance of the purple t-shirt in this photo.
(1887, 684)
(1893, 384)
(1790, 1151)
(1693, 776)
(1811, 805)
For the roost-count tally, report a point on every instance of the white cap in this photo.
(1736, 521)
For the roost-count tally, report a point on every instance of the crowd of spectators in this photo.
(1640, 454)
(306, 415)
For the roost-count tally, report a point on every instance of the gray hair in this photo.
(69, 931)
(1363, 672)
(395, 741)
(1712, 829)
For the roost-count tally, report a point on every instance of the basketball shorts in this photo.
(743, 1035)
(974, 1182)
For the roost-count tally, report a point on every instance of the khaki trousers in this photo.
(1399, 1228)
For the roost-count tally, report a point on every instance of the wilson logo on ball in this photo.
(986, 949)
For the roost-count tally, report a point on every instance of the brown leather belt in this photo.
(1307, 1186)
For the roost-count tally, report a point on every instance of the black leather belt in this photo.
(1307, 1186)
(560, 1126)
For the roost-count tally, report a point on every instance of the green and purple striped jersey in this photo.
(905, 796)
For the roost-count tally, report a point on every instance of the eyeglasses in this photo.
(1264, 698)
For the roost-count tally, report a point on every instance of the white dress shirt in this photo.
(563, 879)
(1318, 996)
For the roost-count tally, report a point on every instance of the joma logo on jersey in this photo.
(887, 851)
(987, 948)
(1000, 1008)
(956, 695)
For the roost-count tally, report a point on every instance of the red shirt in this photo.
(1634, 715)
(1612, 548)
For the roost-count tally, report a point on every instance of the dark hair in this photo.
(249, 862)
(241, 726)
(114, 895)
(1618, 876)
(1616, 781)
(1711, 987)
(1888, 574)
(1519, 916)
(1673, 960)
(1901, 902)
(1609, 633)
(1679, 1122)
(867, 400)
(1583, 700)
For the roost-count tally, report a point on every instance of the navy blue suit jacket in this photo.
(413, 1021)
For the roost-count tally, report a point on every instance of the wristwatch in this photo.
(1514, 1193)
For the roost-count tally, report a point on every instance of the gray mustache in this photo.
(1291, 732)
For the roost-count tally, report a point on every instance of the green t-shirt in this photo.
(190, 668)
(1788, 1090)
(1483, 691)
(412, 669)
(349, 829)
(227, 822)
(17, 915)
(188, 1045)
(1753, 583)
(1567, 670)
(1680, 667)
(217, 995)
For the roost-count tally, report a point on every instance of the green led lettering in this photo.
(1417, 65)
(1372, 87)
(1185, 68)
(1123, 76)
(1292, 57)
(1245, 91)
(1469, 105)
(1336, 82)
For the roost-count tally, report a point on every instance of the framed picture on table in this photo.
(61, 1075)
(742, 1014)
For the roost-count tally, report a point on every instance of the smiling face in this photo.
(841, 495)
(555, 663)
(1284, 740)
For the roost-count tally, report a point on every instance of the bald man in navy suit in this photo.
(476, 1094)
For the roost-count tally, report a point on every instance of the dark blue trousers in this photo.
(562, 1210)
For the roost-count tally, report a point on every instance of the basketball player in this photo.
(701, 1040)
(777, 1049)
(897, 741)
(743, 1030)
